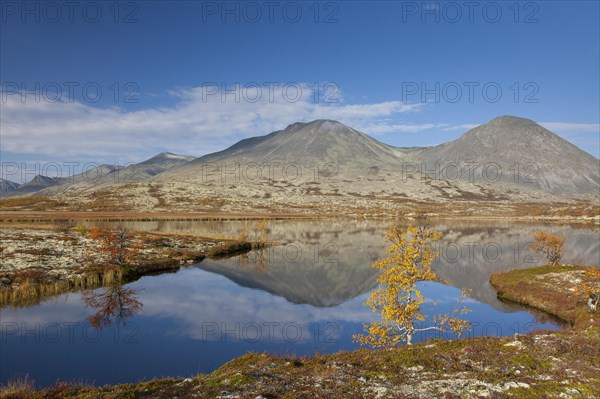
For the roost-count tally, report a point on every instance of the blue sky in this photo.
(407, 73)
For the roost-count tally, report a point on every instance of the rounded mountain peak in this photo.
(511, 121)
(320, 125)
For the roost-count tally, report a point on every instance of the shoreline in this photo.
(7, 217)
(558, 364)
(28, 275)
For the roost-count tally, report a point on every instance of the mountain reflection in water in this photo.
(303, 296)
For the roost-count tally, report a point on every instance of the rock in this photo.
(573, 392)
(517, 344)
(512, 385)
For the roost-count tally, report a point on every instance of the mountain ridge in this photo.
(520, 152)
(102, 176)
(530, 158)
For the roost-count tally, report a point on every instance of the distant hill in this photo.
(7, 186)
(103, 176)
(154, 166)
(38, 183)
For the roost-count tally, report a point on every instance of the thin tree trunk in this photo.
(409, 332)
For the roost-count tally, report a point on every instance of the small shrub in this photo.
(117, 243)
(244, 235)
(261, 230)
(63, 225)
(549, 245)
(82, 229)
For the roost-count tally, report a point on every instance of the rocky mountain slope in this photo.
(36, 184)
(517, 151)
(307, 143)
(7, 186)
(108, 175)
(506, 151)
(326, 166)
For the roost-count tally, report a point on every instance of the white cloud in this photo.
(201, 121)
(464, 126)
(571, 127)
(401, 128)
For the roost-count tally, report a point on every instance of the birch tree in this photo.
(397, 298)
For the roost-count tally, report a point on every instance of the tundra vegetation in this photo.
(100, 257)
(590, 288)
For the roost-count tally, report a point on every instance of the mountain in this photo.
(505, 152)
(90, 174)
(329, 166)
(518, 151)
(7, 186)
(142, 170)
(306, 143)
(154, 166)
(38, 183)
(103, 176)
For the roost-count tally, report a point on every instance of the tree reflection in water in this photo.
(256, 258)
(114, 303)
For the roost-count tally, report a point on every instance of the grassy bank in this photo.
(540, 365)
(33, 291)
(36, 279)
(552, 289)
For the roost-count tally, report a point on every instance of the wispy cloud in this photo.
(464, 126)
(385, 128)
(567, 127)
(200, 122)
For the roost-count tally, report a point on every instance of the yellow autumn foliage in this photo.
(397, 298)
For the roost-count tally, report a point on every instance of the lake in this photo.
(301, 297)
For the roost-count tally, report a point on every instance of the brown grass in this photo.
(532, 287)
(31, 203)
(38, 252)
(33, 287)
(20, 388)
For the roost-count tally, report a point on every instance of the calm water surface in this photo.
(301, 297)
